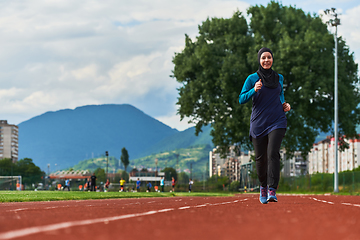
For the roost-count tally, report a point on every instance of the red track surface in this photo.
(239, 217)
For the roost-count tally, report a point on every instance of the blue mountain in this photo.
(68, 136)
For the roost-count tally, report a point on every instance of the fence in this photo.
(349, 182)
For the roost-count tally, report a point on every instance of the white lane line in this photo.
(186, 207)
(321, 200)
(57, 226)
(350, 204)
(203, 205)
(19, 209)
(166, 210)
(32, 230)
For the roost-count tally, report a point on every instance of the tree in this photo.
(29, 171)
(25, 168)
(124, 157)
(169, 173)
(183, 178)
(213, 68)
(100, 175)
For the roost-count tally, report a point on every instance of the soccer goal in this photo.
(10, 183)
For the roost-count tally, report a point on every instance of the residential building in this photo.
(294, 166)
(322, 156)
(9, 140)
(229, 165)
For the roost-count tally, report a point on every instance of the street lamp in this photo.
(107, 162)
(334, 23)
(156, 163)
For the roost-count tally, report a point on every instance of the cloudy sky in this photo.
(57, 54)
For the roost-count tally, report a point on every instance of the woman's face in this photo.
(266, 60)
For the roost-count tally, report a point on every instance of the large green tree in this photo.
(212, 70)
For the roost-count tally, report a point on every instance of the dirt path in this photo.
(239, 217)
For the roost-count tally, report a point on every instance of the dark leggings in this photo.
(267, 157)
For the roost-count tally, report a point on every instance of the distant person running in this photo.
(122, 183)
(162, 184)
(173, 184)
(190, 184)
(67, 185)
(138, 184)
(93, 182)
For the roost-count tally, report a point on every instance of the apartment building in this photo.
(322, 156)
(294, 166)
(230, 165)
(9, 140)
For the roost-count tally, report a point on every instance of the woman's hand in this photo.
(258, 85)
(286, 107)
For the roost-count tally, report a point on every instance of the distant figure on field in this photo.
(107, 184)
(122, 183)
(93, 182)
(67, 185)
(87, 184)
(138, 183)
(149, 186)
(190, 184)
(162, 184)
(173, 184)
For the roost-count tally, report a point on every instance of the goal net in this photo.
(10, 183)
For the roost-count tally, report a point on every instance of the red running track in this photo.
(238, 217)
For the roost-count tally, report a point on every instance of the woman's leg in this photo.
(275, 138)
(260, 147)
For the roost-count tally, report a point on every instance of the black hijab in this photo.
(269, 77)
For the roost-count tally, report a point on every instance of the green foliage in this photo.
(169, 173)
(234, 186)
(217, 183)
(122, 174)
(213, 68)
(25, 168)
(183, 178)
(349, 182)
(100, 175)
(93, 163)
(124, 157)
(197, 156)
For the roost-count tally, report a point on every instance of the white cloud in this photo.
(63, 54)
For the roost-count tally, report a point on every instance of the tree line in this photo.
(25, 168)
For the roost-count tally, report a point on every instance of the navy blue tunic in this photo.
(267, 111)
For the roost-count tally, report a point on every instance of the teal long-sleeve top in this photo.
(267, 111)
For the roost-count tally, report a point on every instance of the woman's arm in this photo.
(248, 90)
(286, 106)
(281, 81)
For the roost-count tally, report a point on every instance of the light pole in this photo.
(156, 163)
(177, 161)
(107, 162)
(334, 23)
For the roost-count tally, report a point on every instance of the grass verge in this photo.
(31, 196)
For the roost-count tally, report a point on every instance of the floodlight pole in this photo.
(334, 23)
(107, 162)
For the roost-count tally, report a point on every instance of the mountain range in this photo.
(64, 138)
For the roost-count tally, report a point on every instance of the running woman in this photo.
(267, 123)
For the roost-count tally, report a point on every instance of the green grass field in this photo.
(30, 196)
